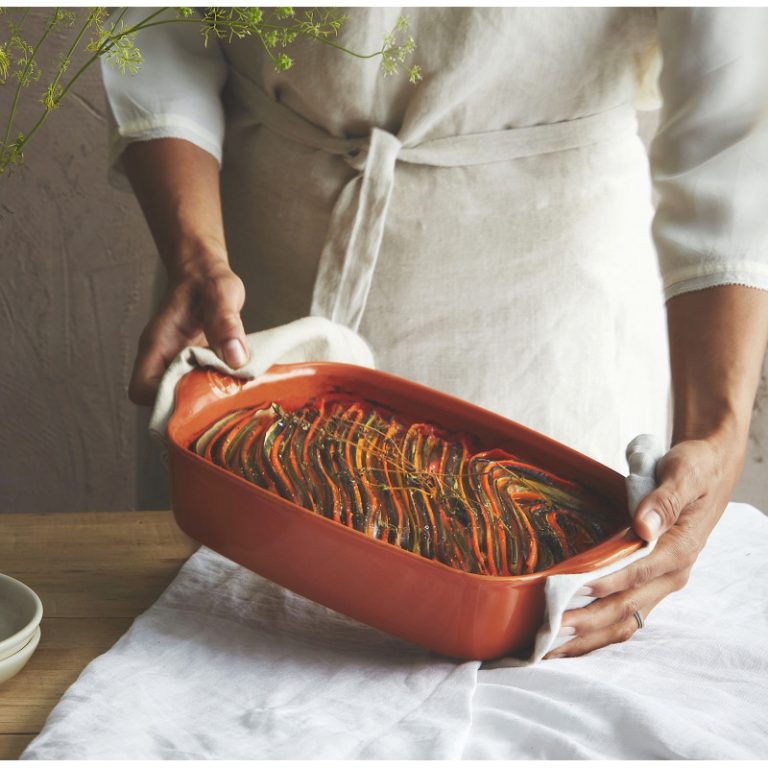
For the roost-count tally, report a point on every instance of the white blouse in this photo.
(488, 230)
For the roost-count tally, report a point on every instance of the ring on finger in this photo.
(639, 619)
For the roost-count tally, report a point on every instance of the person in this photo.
(487, 230)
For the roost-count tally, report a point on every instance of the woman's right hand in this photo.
(200, 307)
(177, 186)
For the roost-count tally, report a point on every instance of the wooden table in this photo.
(95, 572)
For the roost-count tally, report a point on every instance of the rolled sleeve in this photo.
(709, 158)
(175, 93)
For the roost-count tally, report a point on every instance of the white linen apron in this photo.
(508, 264)
(526, 284)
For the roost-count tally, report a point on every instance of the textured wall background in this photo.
(76, 270)
(75, 274)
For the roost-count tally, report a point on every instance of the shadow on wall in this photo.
(76, 279)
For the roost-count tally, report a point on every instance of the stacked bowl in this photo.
(20, 614)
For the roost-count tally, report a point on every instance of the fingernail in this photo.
(585, 590)
(652, 521)
(566, 631)
(556, 656)
(234, 354)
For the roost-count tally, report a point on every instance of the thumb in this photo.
(678, 486)
(223, 298)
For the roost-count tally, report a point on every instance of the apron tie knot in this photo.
(355, 231)
(356, 227)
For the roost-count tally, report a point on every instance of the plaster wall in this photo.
(76, 273)
(76, 264)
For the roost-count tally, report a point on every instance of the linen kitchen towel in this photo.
(229, 665)
(689, 685)
(303, 340)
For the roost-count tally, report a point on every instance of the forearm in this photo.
(717, 341)
(177, 186)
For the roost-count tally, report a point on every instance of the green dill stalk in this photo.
(20, 84)
(110, 42)
(216, 21)
(115, 44)
(51, 99)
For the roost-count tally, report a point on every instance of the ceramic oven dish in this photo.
(452, 612)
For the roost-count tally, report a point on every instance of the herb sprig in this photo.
(94, 34)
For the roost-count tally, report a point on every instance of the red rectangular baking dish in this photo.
(452, 612)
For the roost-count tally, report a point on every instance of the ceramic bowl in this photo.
(12, 665)
(20, 614)
(458, 614)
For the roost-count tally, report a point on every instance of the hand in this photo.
(199, 307)
(696, 478)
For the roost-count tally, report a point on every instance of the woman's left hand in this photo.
(696, 478)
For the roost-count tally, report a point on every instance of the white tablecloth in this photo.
(227, 665)
(693, 683)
